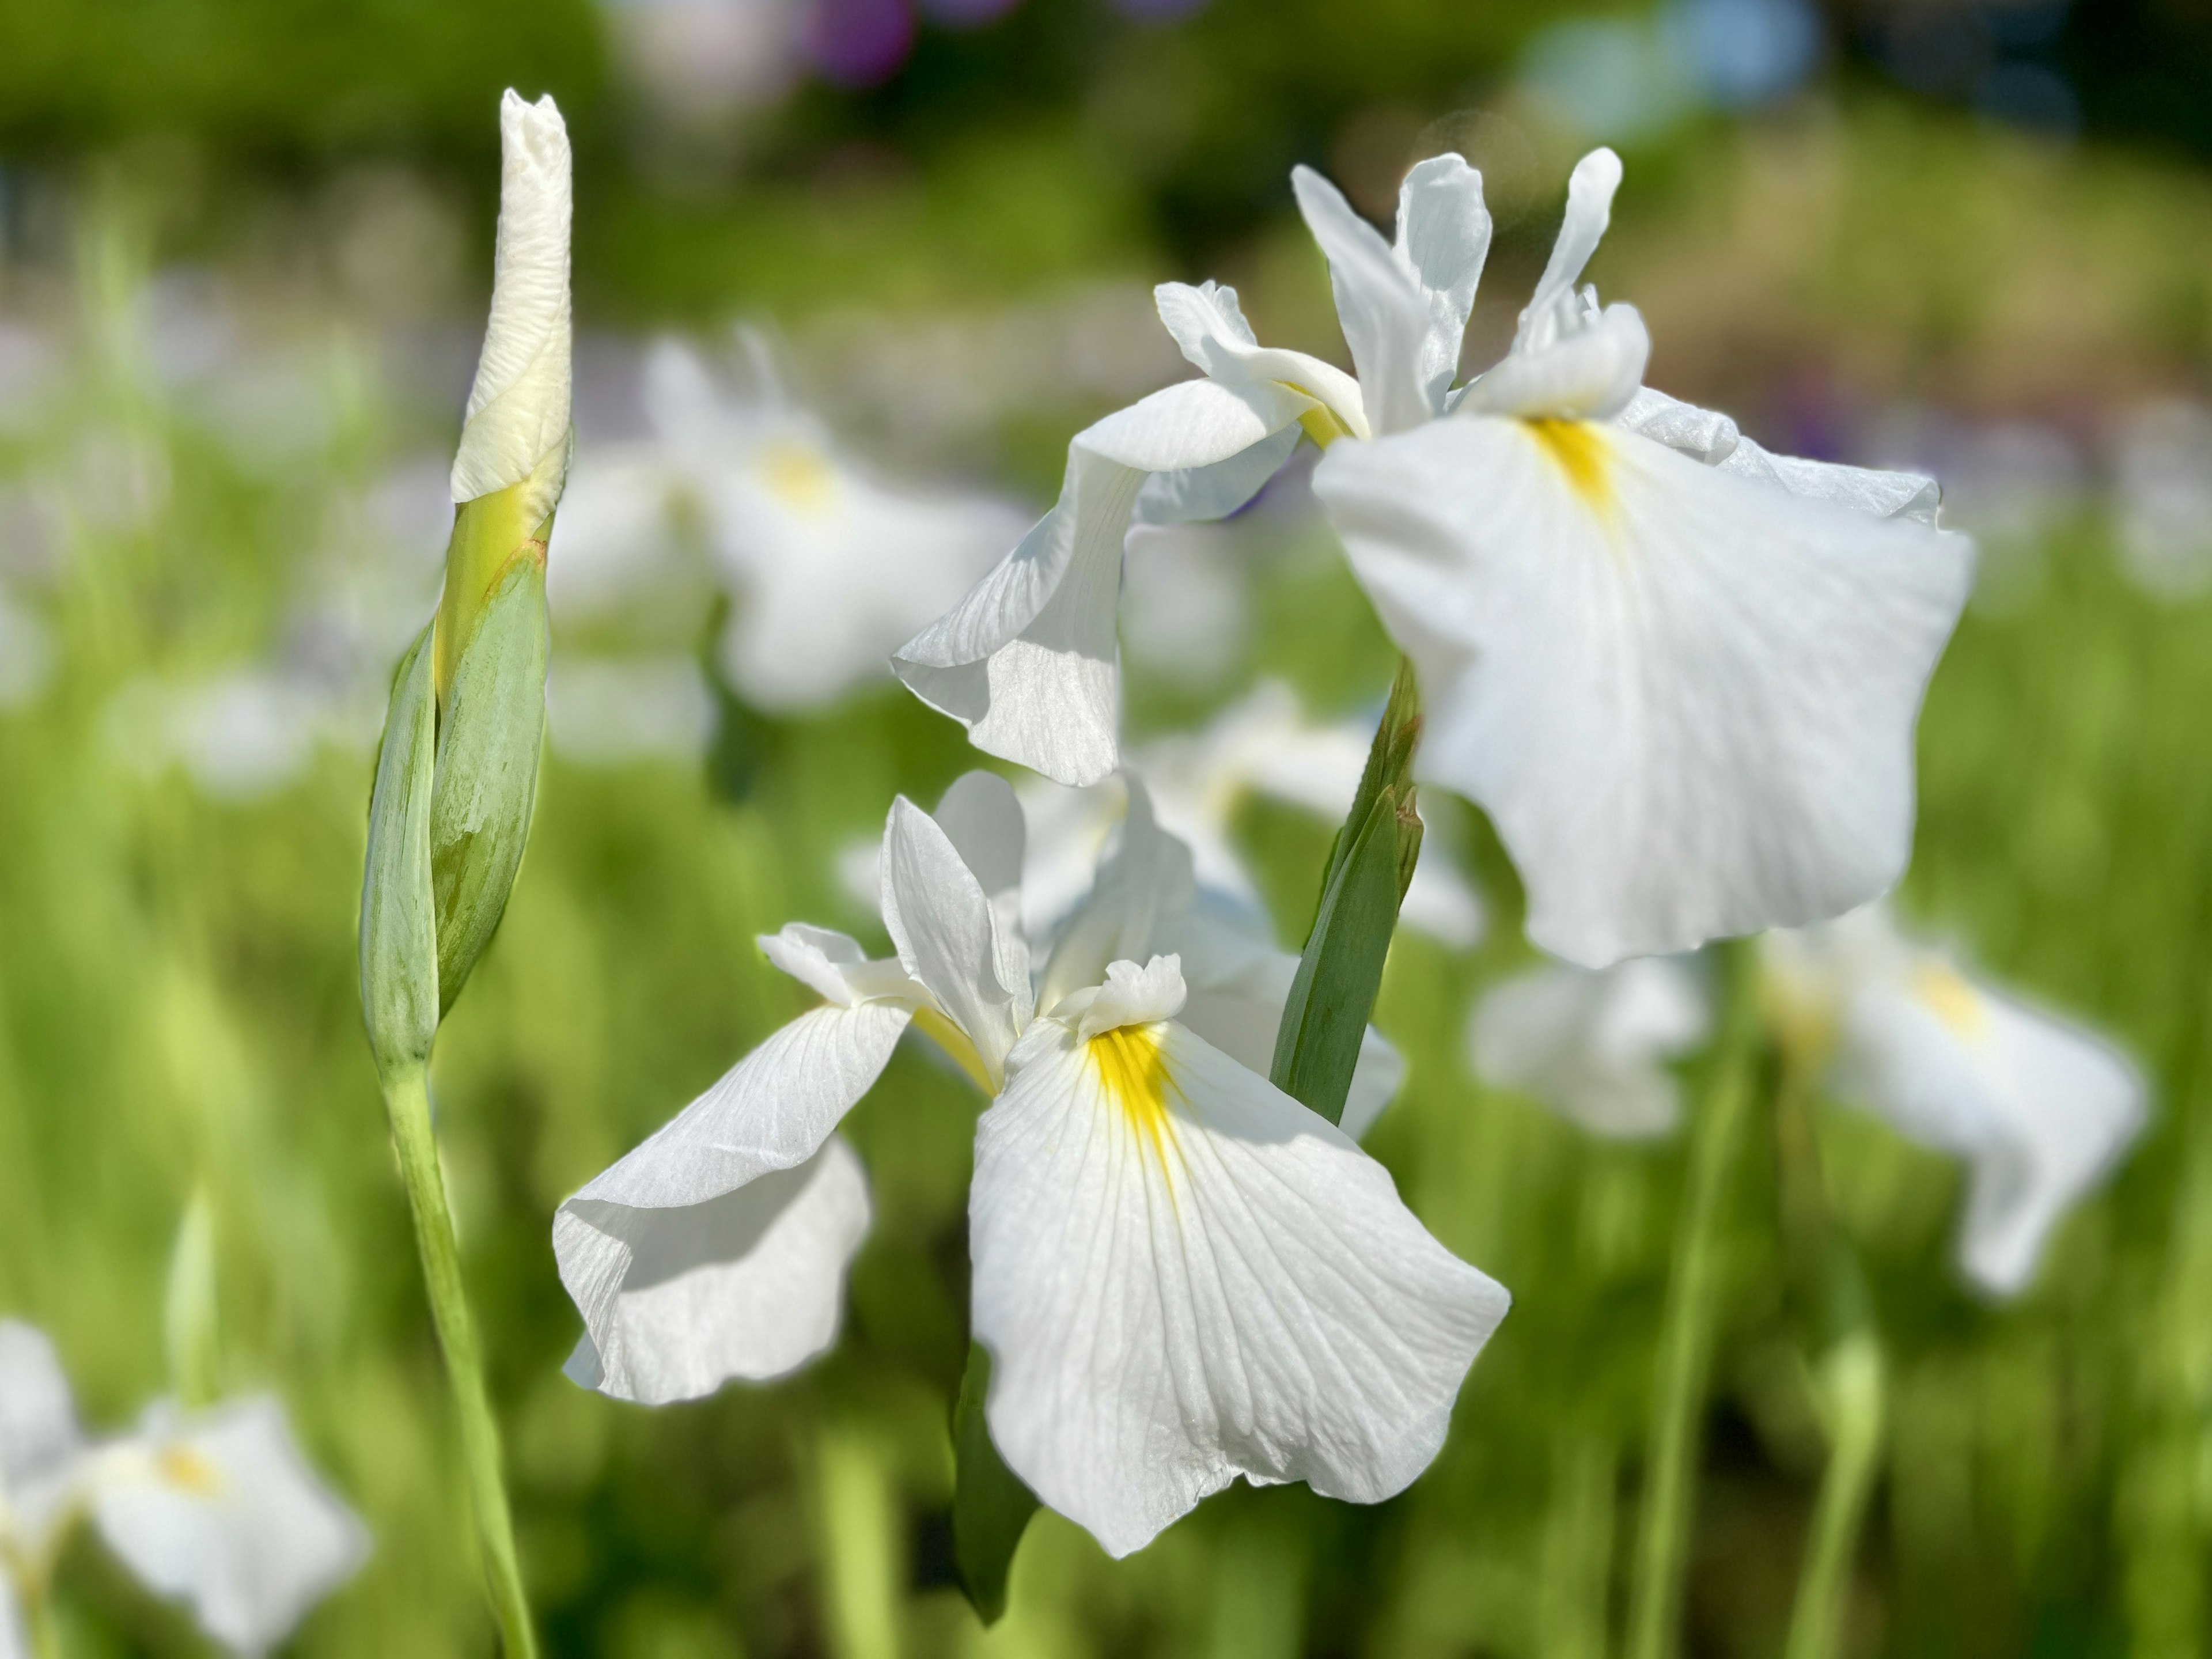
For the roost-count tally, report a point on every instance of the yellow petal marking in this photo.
(1944, 991)
(954, 1040)
(186, 1470)
(1578, 447)
(798, 476)
(1321, 422)
(1134, 1070)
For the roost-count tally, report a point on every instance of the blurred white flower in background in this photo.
(2038, 1107)
(603, 711)
(1594, 1045)
(2161, 465)
(216, 1508)
(828, 568)
(700, 61)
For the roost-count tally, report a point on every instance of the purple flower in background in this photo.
(860, 43)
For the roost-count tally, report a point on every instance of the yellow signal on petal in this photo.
(186, 1470)
(1134, 1070)
(1578, 449)
(1944, 991)
(950, 1038)
(798, 476)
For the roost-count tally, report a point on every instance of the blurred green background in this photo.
(246, 250)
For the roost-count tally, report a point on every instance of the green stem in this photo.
(1851, 1384)
(407, 1096)
(1685, 1339)
(46, 1630)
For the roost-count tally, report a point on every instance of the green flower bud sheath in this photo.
(456, 783)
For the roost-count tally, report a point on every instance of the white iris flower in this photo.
(2038, 1108)
(1181, 1274)
(216, 1508)
(828, 568)
(1680, 673)
(1594, 1045)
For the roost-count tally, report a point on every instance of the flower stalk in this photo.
(407, 1097)
(1692, 1310)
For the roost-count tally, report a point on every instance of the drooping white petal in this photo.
(1444, 234)
(219, 1510)
(676, 1226)
(1380, 305)
(834, 965)
(1199, 495)
(749, 1285)
(951, 938)
(1183, 1276)
(1686, 699)
(1594, 1047)
(1590, 210)
(2039, 1108)
(1713, 438)
(1028, 662)
(518, 415)
(1209, 327)
(41, 1447)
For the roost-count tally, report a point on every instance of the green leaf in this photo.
(1371, 860)
(486, 788)
(398, 933)
(991, 1507)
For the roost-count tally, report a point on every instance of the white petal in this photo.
(1589, 209)
(2039, 1107)
(519, 407)
(15, 1640)
(1211, 329)
(220, 1510)
(1705, 436)
(1442, 901)
(41, 1447)
(982, 819)
(951, 938)
(672, 1207)
(1145, 880)
(1067, 831)
(1185, 1276)
(834, 965)
(1379, 303)
(1592, 372)
(1200, 494)
(749, 1285)
(1028, 661)
(1130, 996)
(1593, 1046)
(1686, 699)
(1444, 234)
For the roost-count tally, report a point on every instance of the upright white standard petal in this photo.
(2038, 1107)
(1183, 1276)
(952, 936)
(518, 415)
(41, 1447)
(1594, 1047)
(1685, 698)
(220, 1511)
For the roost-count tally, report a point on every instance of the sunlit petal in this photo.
(1183, 1276)
(1380, 305)
(949, 936)
(1686, 699)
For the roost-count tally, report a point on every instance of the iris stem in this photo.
(46, 1630)
(407, 1096)
(1852, 1386)
(1686, 1337)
